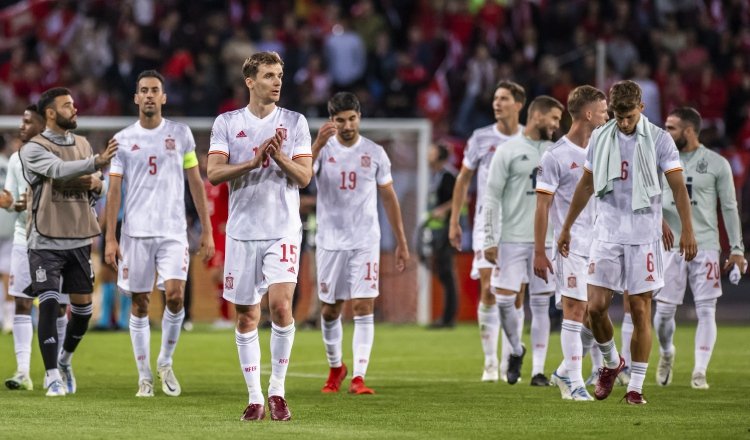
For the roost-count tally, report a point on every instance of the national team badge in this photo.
(41, 275)
(702, 167)
(493, 148)
(592, 267)
(125, 273)
(324, 287)
(572, 282)
(366, 161)
(169, 144)
(229, 282)
(282, 131)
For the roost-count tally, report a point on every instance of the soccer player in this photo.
(263, 151)
(60, 168)
(510, 201)
(13, 199)
(149, 168)
(509, 99)
(624, 160)
(350, 172)
(709, 177)
(560, 170)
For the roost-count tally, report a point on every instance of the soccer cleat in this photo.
(606, 381)
(580, 394)
(68, 378)
(279, 409)
(698, 382)
(335, 377)
(19, 381)
(169, 383)
(634, 398)
(514, 366)
(56, 389)
(623, 378)
(358, 386)
(490, 373)
(539, 380)
(145, 388)
(664, 368)
(253, 412)
(562, 382)
(593, 377)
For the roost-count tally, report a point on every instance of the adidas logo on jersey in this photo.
(573, 166)
(374, 286)
(241, 134)
(135, 147)
(650, 278)
(291, 270)
(331, 160)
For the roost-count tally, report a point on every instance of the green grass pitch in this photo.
(427, 385)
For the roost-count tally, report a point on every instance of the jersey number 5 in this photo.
(152, 165)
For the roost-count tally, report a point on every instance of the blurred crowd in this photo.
(438, 59)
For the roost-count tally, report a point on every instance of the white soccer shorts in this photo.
(348, 274)
(516, 267)
(253, 265)
(622, 267)
(571, 278)
(703, 274)
(479, 262)
(143, 257)
(6, 249)
(20, 278)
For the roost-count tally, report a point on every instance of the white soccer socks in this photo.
(705, 334)
(572, 348)
(509, 321)
(23, 331)
(140, 336)
(171, 326)
(333, 333)
(540, 326)
(664, 325)
(489, 326)
(248, 349)
(364, 335)
(282, 339)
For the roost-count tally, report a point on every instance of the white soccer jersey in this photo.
(347, 179)
(480, 148)
(559, 172)
(7, 218)
(151, 165)
(616, 222)
(16, 185)
(264, 203)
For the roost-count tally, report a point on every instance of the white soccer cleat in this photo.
(145, 388)
(56, 389)
(623, 378)
(19, 381)
(169, 383)
(68, 378)
(562, 382)
(580, 394)
(664, 368)
(593, 377)
(490, 373)
(698, 382)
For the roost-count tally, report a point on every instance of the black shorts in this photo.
(68, 271)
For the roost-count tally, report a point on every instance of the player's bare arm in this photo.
(584, 191)
(198, 193)
(326, 131)
(114, 199)
(463, 180)
(393, 212)
(688, 246)
(541, 220)
(299, 169)
(219, 169)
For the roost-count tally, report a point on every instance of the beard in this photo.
(545, 134)
(680, 143)
(65, 123)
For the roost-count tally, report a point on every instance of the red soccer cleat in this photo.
(335, 377)
(358, 386)
(607, 378)
(634, 398)
(253, 412)
(279, 409)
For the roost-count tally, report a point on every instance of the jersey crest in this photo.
(366, 161)
(169, 144)
(282, 132)
(702, 167)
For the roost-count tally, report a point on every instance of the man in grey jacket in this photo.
(62, 173)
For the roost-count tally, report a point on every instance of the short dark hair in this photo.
(150, 74)
(443, 151)
(515, 89)
(690, 116)
(543, 104)
(250, 66)
(341, 102)
(581, 97)
(34, 110)
(48, 97)
(624, 96)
